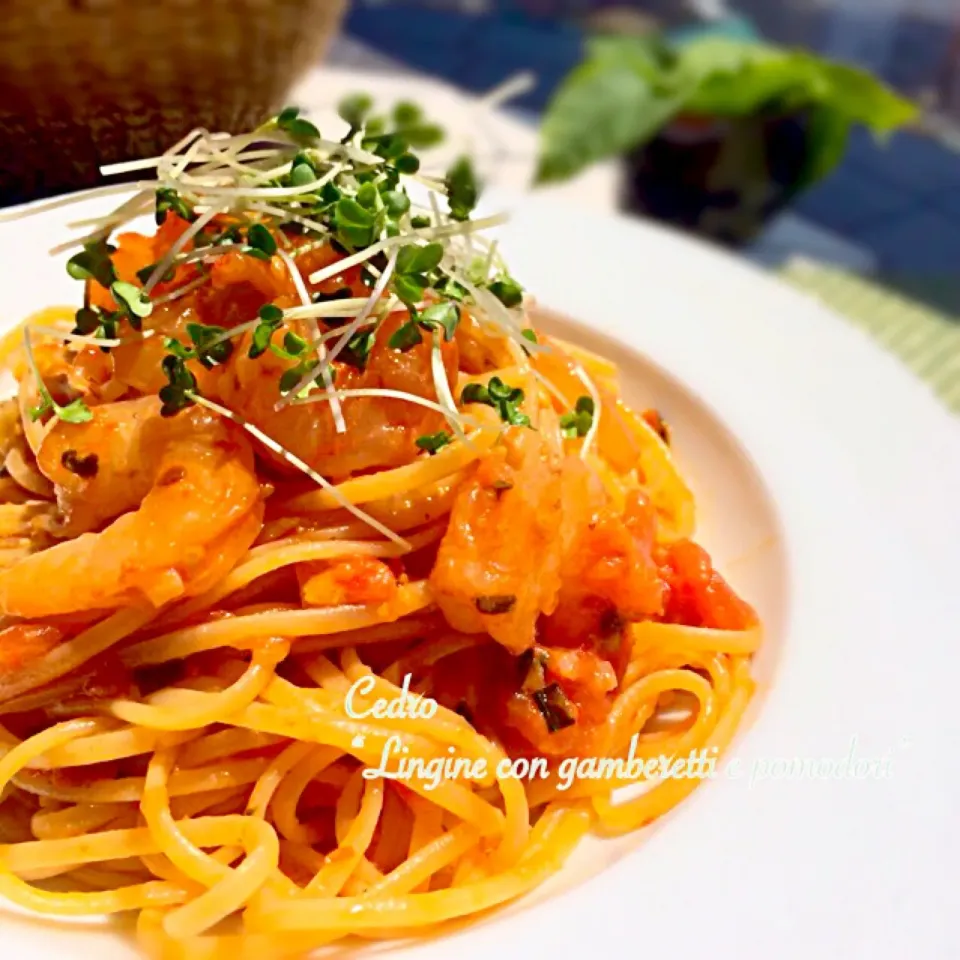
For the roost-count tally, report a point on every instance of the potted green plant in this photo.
(718, 134)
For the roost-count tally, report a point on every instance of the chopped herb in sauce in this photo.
(85, 467)
(555, 707)
(658, 424)
(496, 603)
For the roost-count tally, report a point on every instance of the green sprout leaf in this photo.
(406, 114)
(357, 351)
(441, 316)
(355, 108)
(406, 336)
(168, 200)
(180, 383)
(507, 291)
(432, 442)
(209, 352)
(501, 396)
(476, 393)
(410, 289)
(413, 259)
(368, 196)
(132, 301)
(396, 202)
(407, 163)
(355, 224)
(301, 175)
(86, 320)
(291, 123)
(260, 238)
(271, 317)
(463, 190)
(424, 136)
(75, 412)
(579, 422)
(93, 262)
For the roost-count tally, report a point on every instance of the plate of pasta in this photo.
(356, 597)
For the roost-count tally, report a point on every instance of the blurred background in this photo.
(84, 82)
(898, 206)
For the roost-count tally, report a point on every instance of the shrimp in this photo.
(388, 427)
(185, 494)
(523, 509)
(504, 526)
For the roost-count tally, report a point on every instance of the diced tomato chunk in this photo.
(696, 594)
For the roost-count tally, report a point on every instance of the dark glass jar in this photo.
(721, 178)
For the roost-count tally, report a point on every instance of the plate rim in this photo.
(604, 908)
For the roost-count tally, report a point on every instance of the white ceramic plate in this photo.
(827, 481)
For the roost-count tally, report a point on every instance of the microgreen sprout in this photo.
(132, 302)
(74, 412)
(463, 190)
(501, 396)
(94, 263)
(176, 395)
(271, 316)
(295, 126)
(578, 423)
(168, 200)
(442, 317)
(432, 442)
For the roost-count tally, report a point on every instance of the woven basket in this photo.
(90, 82)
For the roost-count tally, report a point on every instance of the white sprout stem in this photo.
(511, 88)
(314, 225)
(207, 253)
(293, 313)
(431, 183)
(438, 218)
(372, 392)
(295, 277)
(349, 331)
(308, 247)
(90, 194)
(65, 335)
(149, 163)
(585, 379)
(491, 255)
(335, 407)
(295, 461)
(423, 233)
(242, 191)
(35, 370)
(176, 165)
(126, 211)
(238, 331)
(378, 291)
(180, 291)
(167, 259)
(226, 159)
(442, 386)
(331, 308)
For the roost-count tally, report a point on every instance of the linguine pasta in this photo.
(324, 570)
